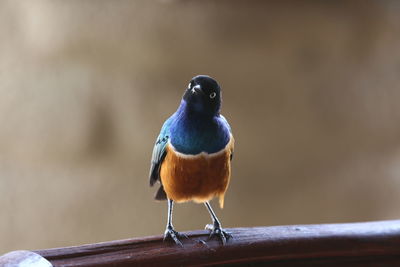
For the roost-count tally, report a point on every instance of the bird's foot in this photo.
(216, 230)
(170, 233)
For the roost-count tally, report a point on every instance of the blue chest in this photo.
(193, 133)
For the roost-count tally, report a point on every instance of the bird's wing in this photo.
(159, 153)
(232, 147)
(230, 131)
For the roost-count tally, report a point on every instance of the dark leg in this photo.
(170, 232)
(215, 228)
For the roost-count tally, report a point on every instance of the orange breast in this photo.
(198, 178)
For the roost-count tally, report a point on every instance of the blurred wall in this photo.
(311, 89)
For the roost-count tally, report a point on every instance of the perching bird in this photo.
(192, 155)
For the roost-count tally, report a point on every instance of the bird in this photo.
(192, 155)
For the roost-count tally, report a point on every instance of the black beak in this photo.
(196, 89)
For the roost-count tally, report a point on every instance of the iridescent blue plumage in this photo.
(192, 133)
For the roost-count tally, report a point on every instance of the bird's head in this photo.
(203, 95)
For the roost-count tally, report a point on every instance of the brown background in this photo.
(311, 89)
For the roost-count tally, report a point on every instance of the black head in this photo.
(203, 95)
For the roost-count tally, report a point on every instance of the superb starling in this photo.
(192, 155)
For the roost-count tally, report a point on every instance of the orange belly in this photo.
(198, 178)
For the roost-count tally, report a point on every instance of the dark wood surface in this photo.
(351, 244)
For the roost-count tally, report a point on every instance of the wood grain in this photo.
(350, 244)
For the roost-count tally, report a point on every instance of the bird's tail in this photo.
(161, 195)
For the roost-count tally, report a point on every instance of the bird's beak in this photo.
(196, 89)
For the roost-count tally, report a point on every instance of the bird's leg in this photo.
(170, 231)
(216, 228)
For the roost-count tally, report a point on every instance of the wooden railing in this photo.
(350, 244)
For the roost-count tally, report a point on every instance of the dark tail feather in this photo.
(161, 195)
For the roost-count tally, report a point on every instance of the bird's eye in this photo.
(189, 85)
(212, 95)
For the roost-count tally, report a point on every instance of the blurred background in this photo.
(310, 88)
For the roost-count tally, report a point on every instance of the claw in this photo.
(216, 230)
(170, 233)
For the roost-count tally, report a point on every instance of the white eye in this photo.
(189, 85)
(213, 94)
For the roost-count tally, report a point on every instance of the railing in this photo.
(350, 244)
